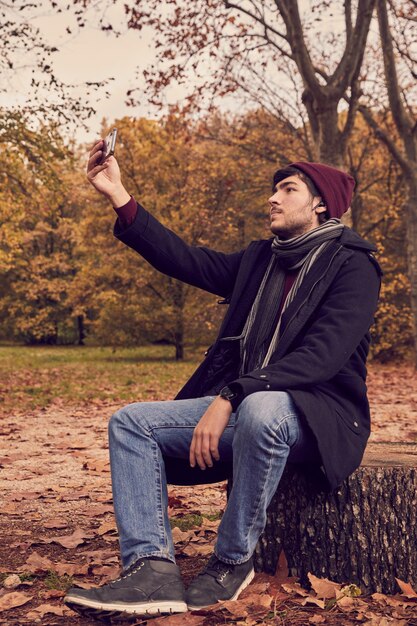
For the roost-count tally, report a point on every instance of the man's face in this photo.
(292, 209)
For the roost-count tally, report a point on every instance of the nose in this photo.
(274, 199)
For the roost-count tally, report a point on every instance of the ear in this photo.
(320, 207)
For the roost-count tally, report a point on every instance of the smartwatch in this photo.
(227, 393)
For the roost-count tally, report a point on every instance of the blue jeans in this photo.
(263, 434)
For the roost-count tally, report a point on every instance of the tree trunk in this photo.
(411, 211)
(179, 346)
(364, 533)
(331, 144)
(81, 331)
(178, 300)
(329, 141)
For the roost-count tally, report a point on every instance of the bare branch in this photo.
(384, 137)
(258, 19)
(355, 47)
(393, 89)
(348, 21)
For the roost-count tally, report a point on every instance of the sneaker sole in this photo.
(243, 586)
(98, 610)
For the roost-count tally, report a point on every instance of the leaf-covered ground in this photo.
(57, 525)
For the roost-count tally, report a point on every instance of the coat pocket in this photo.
(352, 423)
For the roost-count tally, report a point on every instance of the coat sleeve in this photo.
(163, 249)
(341, 322)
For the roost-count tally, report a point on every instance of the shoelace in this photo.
(217, 569)
(129, 571)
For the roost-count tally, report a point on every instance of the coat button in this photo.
(268, 387)
(355, 424)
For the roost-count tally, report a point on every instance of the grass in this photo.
(54, 581)
(36, 376)
(185, 522)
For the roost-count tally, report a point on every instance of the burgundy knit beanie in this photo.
(335, 186)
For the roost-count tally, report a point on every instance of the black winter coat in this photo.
(324, 337)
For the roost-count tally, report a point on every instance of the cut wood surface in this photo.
(382, 454)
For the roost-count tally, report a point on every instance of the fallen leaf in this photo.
(56, 522)
(380, 620)
(44, 609)
(323, 587)
(74, 495)
(237, 609)
(97, 465)
(295, 588)
(174, 501)
(210, 524)
(94, 510)
(255, 587)
(16, 456)
(195, 549)
(313, 600)
(71, 541)
(36, 563)
(18, 496)
(281, 572)
(406, 589)
(261, 600)
(182, 619)
(11, 509)
(317, 619)
(109, 572)
(347, 602)
(107, 527)
(393, 601)
(100, 557)
(181, 536)
(13, 599)
(73, 445)
(71, 569)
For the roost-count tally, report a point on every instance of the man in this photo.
(284, 381)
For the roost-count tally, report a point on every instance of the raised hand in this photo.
(106, 177)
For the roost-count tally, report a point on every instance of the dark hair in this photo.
(294, 171)
(286, 172)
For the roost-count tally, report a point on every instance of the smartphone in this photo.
(109, 145)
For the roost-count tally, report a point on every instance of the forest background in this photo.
(205, 171)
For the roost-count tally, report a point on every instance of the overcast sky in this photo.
(89, 54)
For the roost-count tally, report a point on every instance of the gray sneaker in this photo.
(150, 586)
(219, 581)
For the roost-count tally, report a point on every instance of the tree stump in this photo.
(363, 533)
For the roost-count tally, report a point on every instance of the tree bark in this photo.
(81, 330)
(178, 299)
(363, 533)
(411, 209)
(405, 157)
(322, 100)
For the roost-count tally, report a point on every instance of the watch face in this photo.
(227, 393)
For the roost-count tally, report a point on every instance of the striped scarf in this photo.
(260, 335)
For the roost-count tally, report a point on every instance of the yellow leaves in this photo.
(208, 180)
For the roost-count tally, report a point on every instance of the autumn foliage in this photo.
(65, 279)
